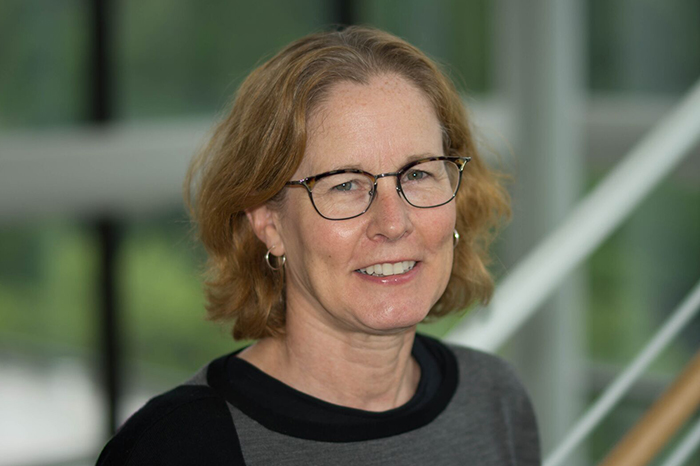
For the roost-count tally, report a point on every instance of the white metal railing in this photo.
(623, 382)
(523, 291)
(687, 447)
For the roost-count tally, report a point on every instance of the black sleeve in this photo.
(189, 425)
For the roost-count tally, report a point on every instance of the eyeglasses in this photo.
(345, 194)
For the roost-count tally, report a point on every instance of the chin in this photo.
(395, 319)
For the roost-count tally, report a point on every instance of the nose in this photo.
(389, 213)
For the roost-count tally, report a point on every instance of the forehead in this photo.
(379, 126)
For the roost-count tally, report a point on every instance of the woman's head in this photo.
(262, 143)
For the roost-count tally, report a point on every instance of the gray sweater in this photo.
(469, 409)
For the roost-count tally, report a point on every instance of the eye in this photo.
(416, 175)
(344, 187)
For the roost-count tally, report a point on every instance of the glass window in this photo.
(188, 57)
(637, 278)
(166, 334)
(454, 32)
(642, 273)
(48, 333)
(643, 47)
(43, 50)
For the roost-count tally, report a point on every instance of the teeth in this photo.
(386, 269)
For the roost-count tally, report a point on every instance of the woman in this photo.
(341, 202)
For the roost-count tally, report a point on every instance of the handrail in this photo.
(688, 445)
(523, 291)
(616, 390)
(644, 441)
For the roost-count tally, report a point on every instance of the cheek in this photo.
(318, 246)
(442, 240)
(440, 228)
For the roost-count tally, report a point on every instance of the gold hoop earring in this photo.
(280, 260)
(455, 240)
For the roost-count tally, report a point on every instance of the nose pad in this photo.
(399, 191)
(390, 216)
(378, 192)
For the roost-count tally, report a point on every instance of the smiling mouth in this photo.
(387, 269)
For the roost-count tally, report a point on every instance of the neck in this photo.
(356, 370)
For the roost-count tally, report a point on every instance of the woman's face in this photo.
(378, 128)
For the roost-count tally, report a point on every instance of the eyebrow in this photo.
(409, 159)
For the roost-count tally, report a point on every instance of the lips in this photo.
(388, 268)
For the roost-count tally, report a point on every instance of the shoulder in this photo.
(487, 370)
(481, 376)
(190, 424)
(490, 378)
(491, 383)
(475, 367)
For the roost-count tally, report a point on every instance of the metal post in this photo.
(106, 229)
(346, 12)
(108, 235)
(100, 108)
(540, 69)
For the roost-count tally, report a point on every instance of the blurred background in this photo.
(103, 103)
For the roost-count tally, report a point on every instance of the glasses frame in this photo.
(310, 181)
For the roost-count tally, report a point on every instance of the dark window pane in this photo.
(43, 50)
(641, 273)
(188, 56)
(166, 334)
(47, 284)
(454, 32)
(645, 47)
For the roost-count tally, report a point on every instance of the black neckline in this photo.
(283, 409)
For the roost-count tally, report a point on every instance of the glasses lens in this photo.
(430, 184)
(342, 195)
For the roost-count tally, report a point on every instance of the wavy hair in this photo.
(257, 148)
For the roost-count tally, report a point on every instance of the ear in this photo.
(263, 220)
